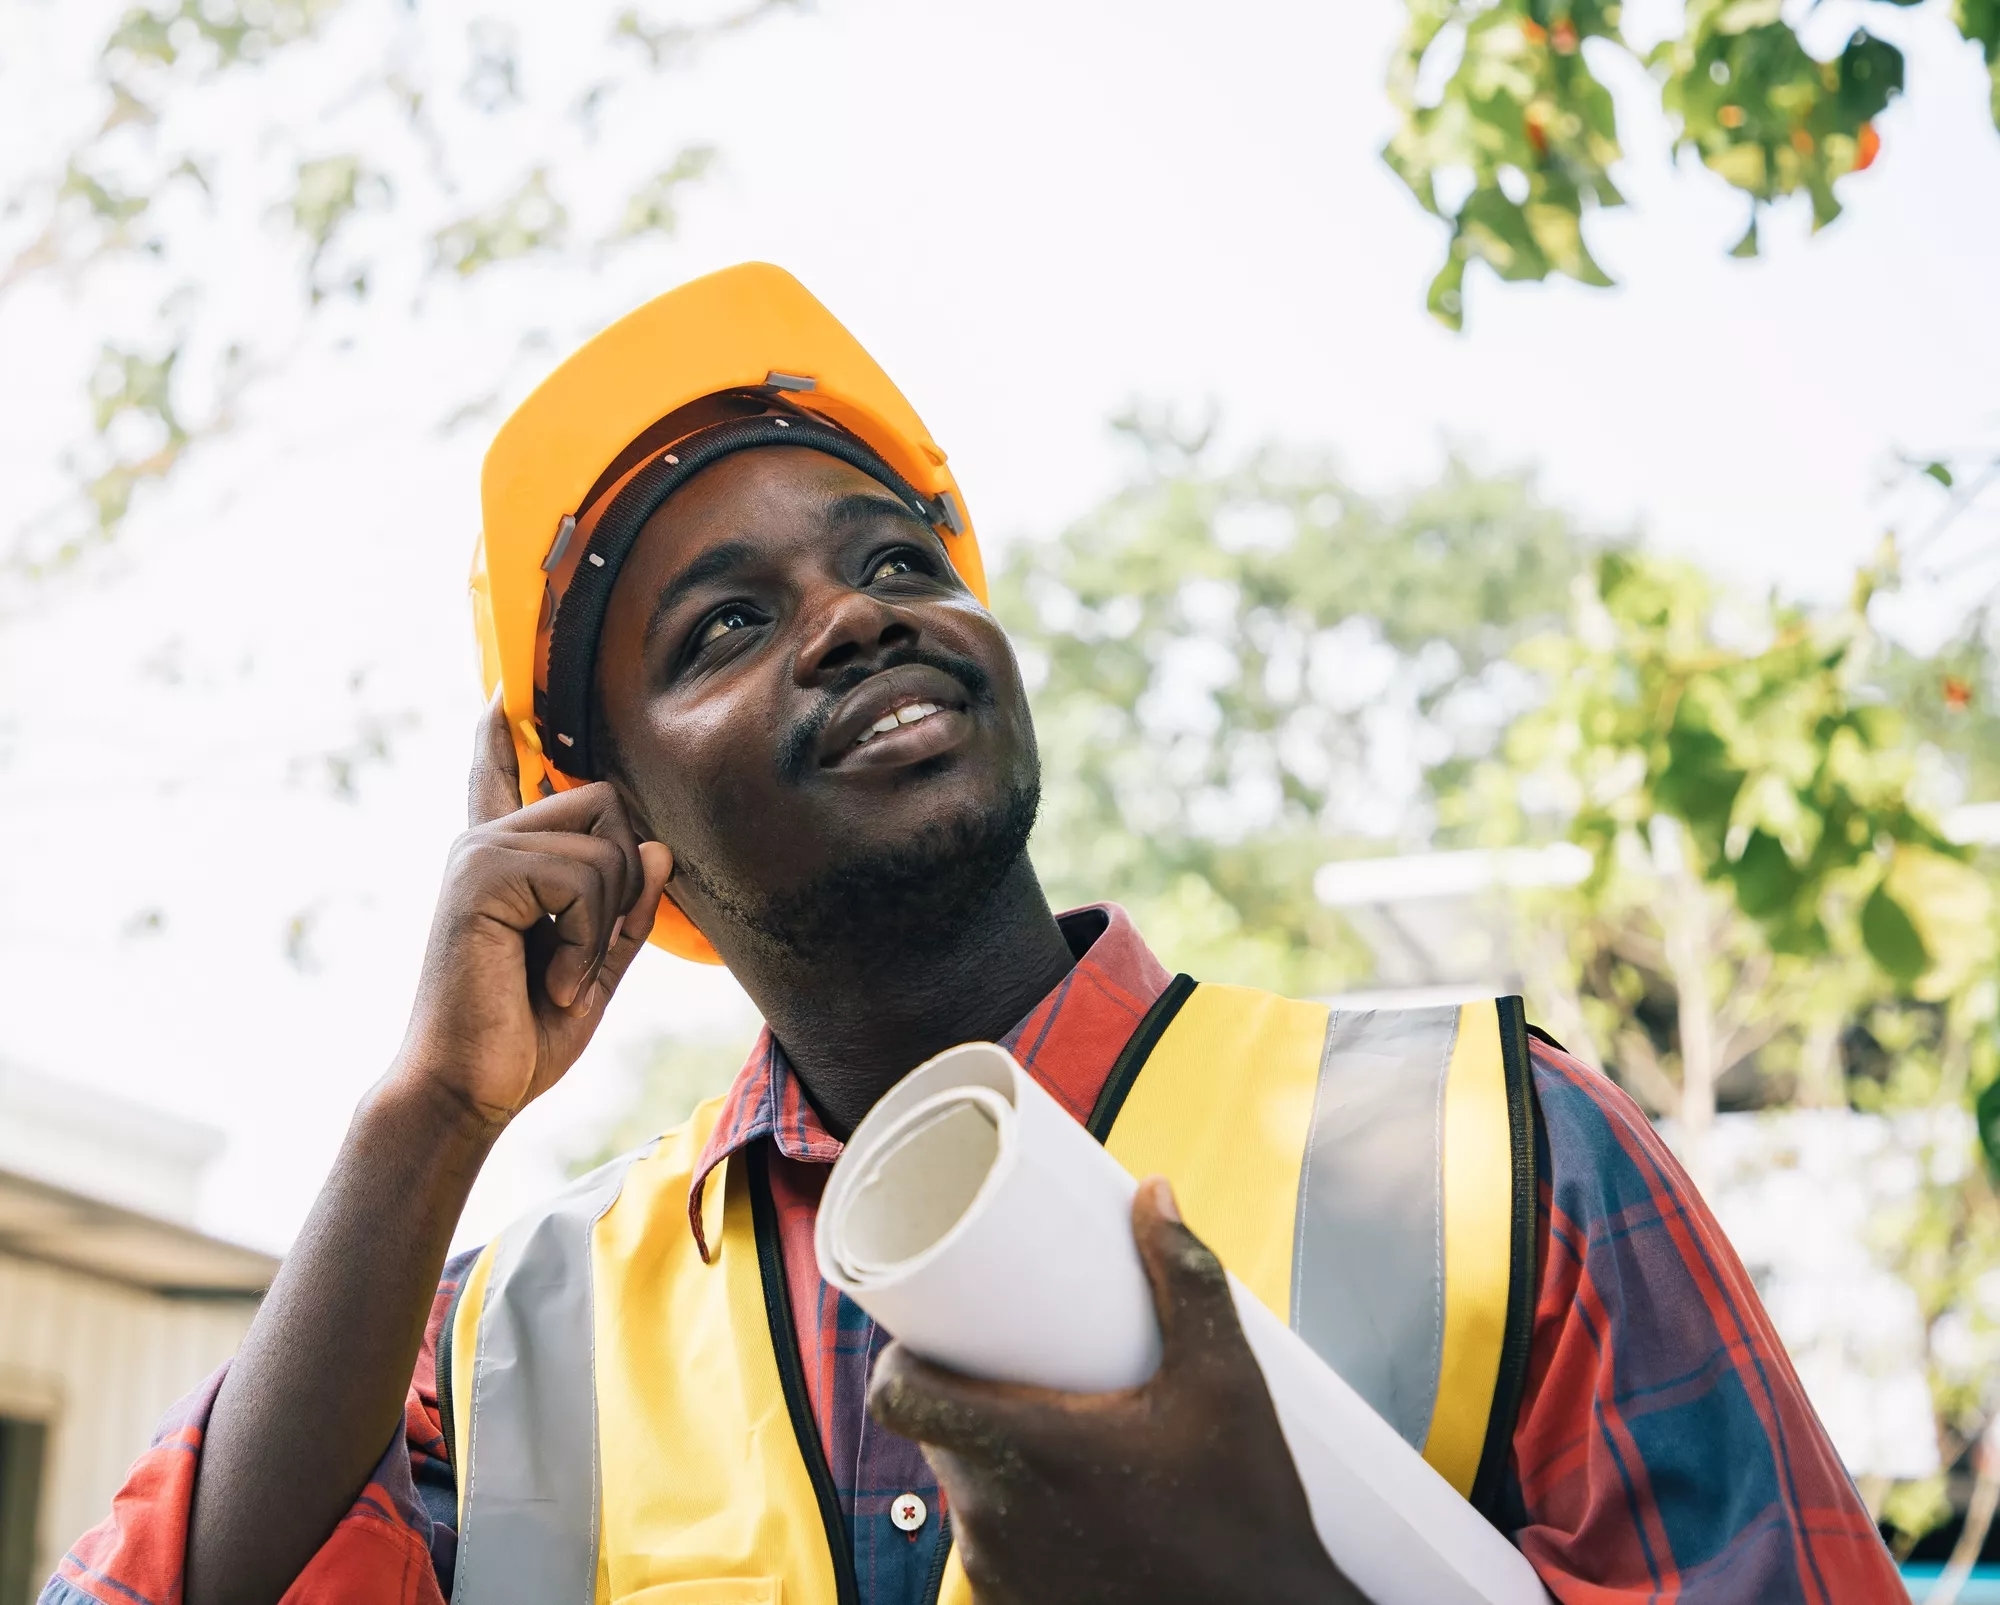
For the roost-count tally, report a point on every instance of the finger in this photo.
(494, 790)
(632, 931)
(1190, 1290)
(561, 901)
(605, 921)
(592, 810)
(587, 922)
(991, 1423)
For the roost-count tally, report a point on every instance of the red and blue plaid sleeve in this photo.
(1665, 1449)
(395, 1545)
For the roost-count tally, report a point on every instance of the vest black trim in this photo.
(1137, 1050)
(791, 1373)
(1489, 1482)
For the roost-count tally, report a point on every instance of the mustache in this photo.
(795, 753)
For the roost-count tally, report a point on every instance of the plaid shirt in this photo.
(1664, 1450)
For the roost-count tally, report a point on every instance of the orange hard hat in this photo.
(714, 363)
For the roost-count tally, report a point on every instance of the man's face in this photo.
(775, 614)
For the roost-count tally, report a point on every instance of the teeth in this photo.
(909, 713)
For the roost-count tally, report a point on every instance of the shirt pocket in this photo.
(717, 1591)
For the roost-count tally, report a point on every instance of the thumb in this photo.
(1190, 1289)
(494, 789)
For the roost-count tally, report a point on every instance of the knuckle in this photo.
(471, 853)
(889, 1390)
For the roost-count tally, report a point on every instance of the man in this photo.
(750, 703)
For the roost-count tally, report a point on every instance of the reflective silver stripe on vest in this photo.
(1368, 1249)
(530, 1496)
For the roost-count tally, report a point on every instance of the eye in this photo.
(903, 560)
(724, 621)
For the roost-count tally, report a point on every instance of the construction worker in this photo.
(748, 700)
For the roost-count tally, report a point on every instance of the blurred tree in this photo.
(1242, 672)
(1912, 1063)
(256, 182)
(1508, 133)
(670, 1076)
(1775, 915)
(1768, 865)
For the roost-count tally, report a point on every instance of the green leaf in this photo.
(1940, 473)
(1871, 73)
(1979, 21)
(1446, 301)
(1891, 937)
(1699, 785)
(1987, 1111)
(1766, 878)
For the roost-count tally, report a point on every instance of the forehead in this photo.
(785, 497)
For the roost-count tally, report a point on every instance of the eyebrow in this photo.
(860, 507)
(842, 514)
(714, 564)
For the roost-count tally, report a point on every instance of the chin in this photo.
(908, 880)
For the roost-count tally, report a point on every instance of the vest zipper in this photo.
(791, 1373)
(442, 1378)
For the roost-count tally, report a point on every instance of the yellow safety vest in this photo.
(631, 1426)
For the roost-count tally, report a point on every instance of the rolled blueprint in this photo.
(982, 1226)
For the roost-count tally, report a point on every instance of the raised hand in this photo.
(1179, 1490)
(542, 910)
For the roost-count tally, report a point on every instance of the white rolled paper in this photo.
(990, 1232)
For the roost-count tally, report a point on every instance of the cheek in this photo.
(969, 630)
(714, 771)
(690, 768)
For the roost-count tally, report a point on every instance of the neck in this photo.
(854, 1024)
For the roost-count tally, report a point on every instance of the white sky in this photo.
(1032, 213)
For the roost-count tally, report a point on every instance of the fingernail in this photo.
(1164, 1200)
(617, 930)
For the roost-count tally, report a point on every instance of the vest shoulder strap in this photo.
(1369, 1174)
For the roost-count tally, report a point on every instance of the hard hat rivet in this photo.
(564, 530)
(565, 740)
(596, 561)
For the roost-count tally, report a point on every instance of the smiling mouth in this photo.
(907, 713)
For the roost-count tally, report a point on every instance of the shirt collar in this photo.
(1067, 1042)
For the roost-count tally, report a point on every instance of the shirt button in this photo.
(908, 1513)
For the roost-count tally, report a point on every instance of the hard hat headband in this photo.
(581, 581)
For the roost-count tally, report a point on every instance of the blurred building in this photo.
(1440, 925)
(112, 1304)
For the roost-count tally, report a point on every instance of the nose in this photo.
(845, 626)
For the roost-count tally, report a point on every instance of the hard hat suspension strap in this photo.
(585, 574)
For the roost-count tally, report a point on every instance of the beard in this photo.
(920, 894)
